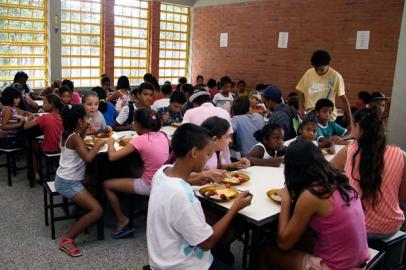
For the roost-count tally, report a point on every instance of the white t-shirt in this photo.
(123, 115)
(176, 225)
(160, 103)
(223, 102)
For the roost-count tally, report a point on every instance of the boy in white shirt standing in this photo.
(178, 236)
(224, 99)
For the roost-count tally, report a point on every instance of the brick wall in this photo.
(253, 30)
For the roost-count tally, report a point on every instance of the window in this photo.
(81, 41)
(173, 42)
(131, 30)
(23, 41)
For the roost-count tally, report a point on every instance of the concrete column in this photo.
(397, 124)
(154, 38)
(54, 40)
(108, 39)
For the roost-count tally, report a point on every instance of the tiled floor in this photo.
(26, 242)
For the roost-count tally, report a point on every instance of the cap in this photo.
(255, 93)
(198, 93)
(273, 93)
(375, 96)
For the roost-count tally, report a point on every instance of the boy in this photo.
(241, 89)
(173, 113)
(224, 99)
(327, 129)
(178, 236)
(140, 98)
(166, 91)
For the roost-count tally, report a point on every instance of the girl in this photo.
(105, 83)
(307, 131)
(256, 104)
(10, 122)
(95, 119)
(71, 172)
(212, 84)
(377, 171)
(66, 95)
(122, 95)
(320, 197)
(50, 123)
(153, 147)
(269, 151)
(105, 107)
(244, 123)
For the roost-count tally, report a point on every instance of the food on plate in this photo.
(176, 124)
(218, 193)
(123, 141)
(89, 141)
(236, 178)
(103, 135)
(273, 195)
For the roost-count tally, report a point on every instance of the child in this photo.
(122, 95)
(173, 113)
(105, 107)
(140, 98)
(307, 131)
(153, 147)
(10, 122)
(377, 171)
(241, 91)
(95, 119)
(50, 123)
(66, 95)
(188, 90)
(212, 84)
(318, 196)
(199, 79)
(269, 151)
(105, 83)
(256, 105)
(166, 91)
(178, 236)
(75, 97)
(378, 101)
(71, 173)
(327, 129)
(244, 124)
(224, 99)
(364, 98)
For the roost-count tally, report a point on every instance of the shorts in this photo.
(68, 188)
(141, 187)
(311, 262)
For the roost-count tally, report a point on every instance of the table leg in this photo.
(255, 249)
(99, 196)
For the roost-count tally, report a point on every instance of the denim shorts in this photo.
(68, 188)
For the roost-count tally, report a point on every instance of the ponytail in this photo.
(70, 116)
(55, 101)
(147, 119)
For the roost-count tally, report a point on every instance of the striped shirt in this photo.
(386, 217)
(13, 120)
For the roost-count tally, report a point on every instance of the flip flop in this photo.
(126, 231)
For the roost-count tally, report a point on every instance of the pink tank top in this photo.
(13, 120)
(342, 238)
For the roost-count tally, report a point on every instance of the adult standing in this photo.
(322, 81)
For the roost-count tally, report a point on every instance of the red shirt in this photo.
(156, 98)
(52, 126)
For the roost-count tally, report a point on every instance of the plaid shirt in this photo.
(283, 115)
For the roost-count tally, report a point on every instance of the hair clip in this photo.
(153, 117)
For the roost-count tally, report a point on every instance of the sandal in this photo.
(73, 252)
(124, 232)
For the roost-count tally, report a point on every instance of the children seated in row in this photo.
(173, 113)
(105, 107)
(140, 98)
(282, 114)
(71, 172)
(10, 122)
(153, 147)
(318, 196)
(163, 102)
(377, 171)
(269, 150)
(94, 118)
(224, 99)
(50, 123)
(178, 236)
(326, 128)
(244, 123)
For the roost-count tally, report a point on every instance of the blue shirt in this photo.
(331, 129)
(244, 126)
(110, 114)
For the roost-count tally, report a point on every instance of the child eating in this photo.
(178, 236)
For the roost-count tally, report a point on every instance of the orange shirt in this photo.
(386, 217)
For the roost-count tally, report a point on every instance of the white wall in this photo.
(397, 115)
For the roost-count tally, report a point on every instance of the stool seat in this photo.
(6, 150)
(11, 162)
(376, 259)
(394, 248)
(51, 186)
(40, 138)
(53, 155)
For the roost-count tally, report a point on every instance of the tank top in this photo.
(386, 217)
(13, 120)
(342, 239)
(266, 155)
(71, 165)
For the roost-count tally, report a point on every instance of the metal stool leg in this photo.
(51, 204)
(9, 169)
(45, 205)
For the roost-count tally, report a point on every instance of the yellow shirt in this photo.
(315, 87)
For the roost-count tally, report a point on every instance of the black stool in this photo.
(394, 248)
(51, 163)
(11, 163)
(140, 200)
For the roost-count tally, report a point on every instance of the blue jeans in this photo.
(68, 188)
